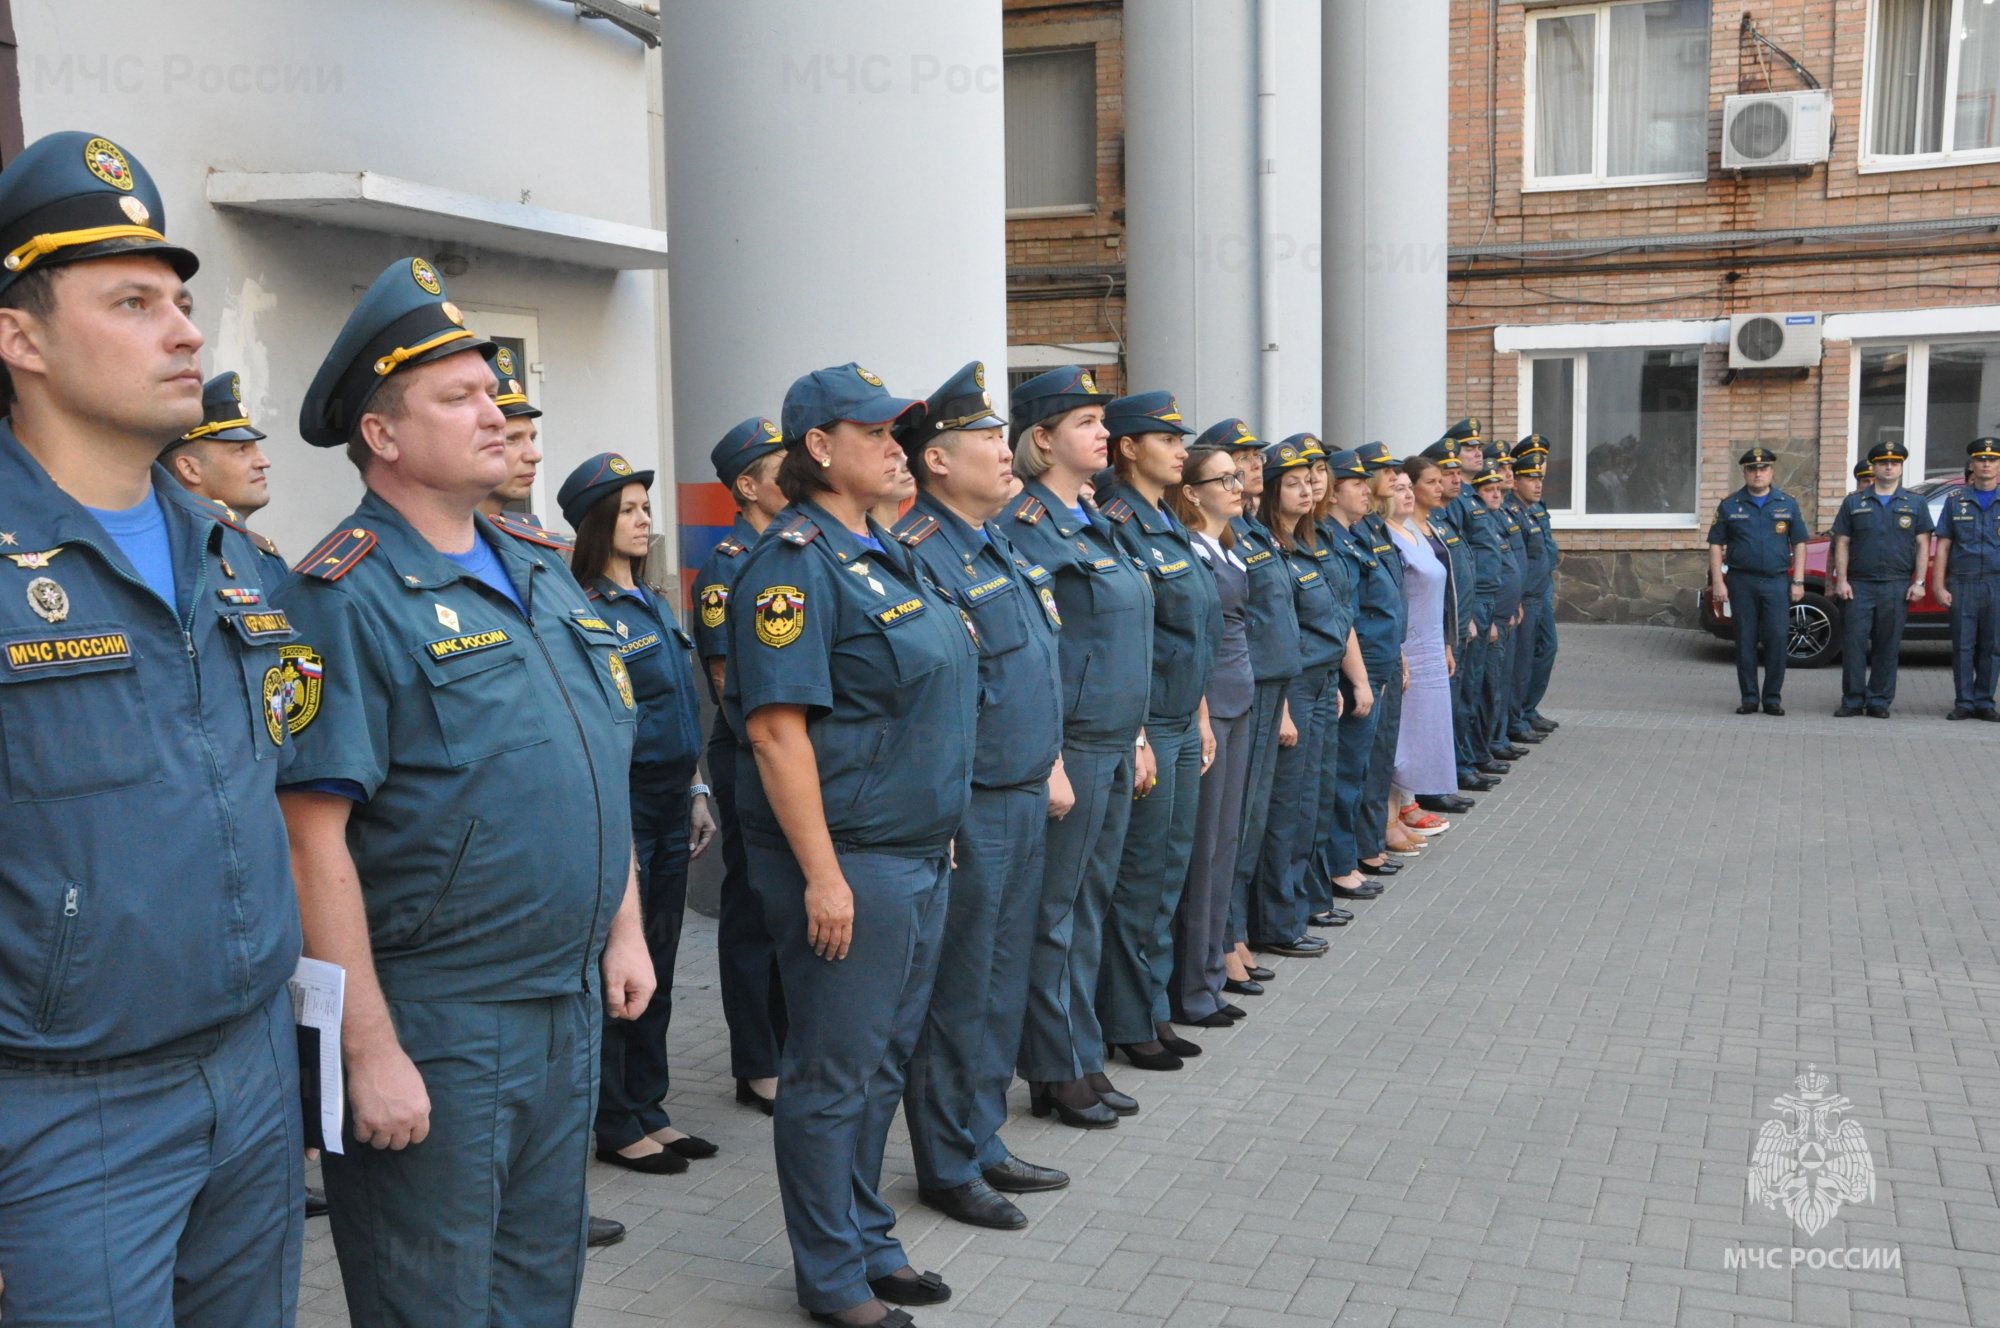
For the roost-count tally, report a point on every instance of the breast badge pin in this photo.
(49, 600)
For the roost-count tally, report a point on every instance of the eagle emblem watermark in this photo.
(1811, 1162)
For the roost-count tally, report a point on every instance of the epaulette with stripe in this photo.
(730, 547)
(1118, 510)
(800, 530)
(264, 545)
(337, 556)
(1031, 511)
(527, 530)
(230, 517)
(919, 527)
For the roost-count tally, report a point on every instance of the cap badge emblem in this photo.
(867, 377)
(451, 311)
(1087, 383)
(107, 163)
(503, 360)
(618, 465)
(134, 209)
(426, 276)
(979, 378)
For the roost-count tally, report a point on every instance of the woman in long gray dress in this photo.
(1425, 761)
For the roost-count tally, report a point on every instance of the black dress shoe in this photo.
(1262, 974)
(1365, 890)
(1221, 1020)
(604, 1231)
(976, 1204)
(1526, 735)
(1540, 725)
(666, 1162)
(1748, 708)
(1234, 1011)
(1017, 1177)
(1180, 1046)
(1849, 712)
(1293, 949)
(1122, 1103)
(1096, 1116)
(1448, 803)
(1991, 714)
(1332, 917)
(750, 1097)
(1494, 768)
(694, 1148)
(1957, 712)
(1150, 1060)
(1479, 783)
(316, 1205)
(924, 1289)
(1511, 753)
(1878, 712)
(893, 1319)
(1249, 988)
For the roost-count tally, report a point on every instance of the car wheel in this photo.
(1815, 632)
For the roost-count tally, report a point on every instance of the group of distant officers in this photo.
(1886, 549)
(960, 778)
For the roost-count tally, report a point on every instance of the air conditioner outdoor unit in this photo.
(1774, 341)
(1776, 129)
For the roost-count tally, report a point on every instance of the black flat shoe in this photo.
(1773, 708)
(1531, 738)
(1364, 890)
(1179, 1045)
(1540, 725)
(1494, 768)
(604, 1231)
(1849, 712)
(1149, 1060)
(1235, 988)
(1333, 917)
(1216, 1020)
(316, 1206)
(694, 1148)
(1991, 714)
(1448, 803)
(1479, 783)
(1878, 712)
(1261, 974)
(750, 1097)
(1017, 1177)
(1957, 712)
(1042, 1100)
(666, 1162)
(1234, 1011)
(924, 1289)
(1511, 753)
(1294, 949)
(893, 1319)
(976, 1204)
(1748, 708)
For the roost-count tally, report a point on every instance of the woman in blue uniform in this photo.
(1147, 459)
(1499, 567)
(1106, 651)
(604, 499)
(854, 684)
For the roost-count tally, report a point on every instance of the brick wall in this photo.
(1807, 420)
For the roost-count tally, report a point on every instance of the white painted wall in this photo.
(517, 100)
(836, 192)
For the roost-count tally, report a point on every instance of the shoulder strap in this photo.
(915, 528)
(337, 556)
(800, 530)
(1118, 510)
(730, 547)
(1030, 511)
(530, 532)
(230, 517)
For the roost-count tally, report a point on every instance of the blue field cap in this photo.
(222, 415)
(1144, 412)
(962, 403)
(1281, 457)
(1232, 435)
(1054, 393)
(745, 445)
(1308, 445)
(71, 196)
(846, 392)
(1375, 456)
(1346, 464)
(607, 472)
(403, 320)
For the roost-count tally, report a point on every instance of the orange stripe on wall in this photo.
(705, 505)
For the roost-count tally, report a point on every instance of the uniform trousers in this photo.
(1356, 745)
(1276, 911)
(634, 1055)
(1201, 924)
(1371, 831)
(1261, 767)
(1761, 606)
(483, 1222)
(753, 1000)
(1545, 652)
(1496, 693)
(1465, 685)
(1061, 1039)
(1532, 607)
(1871, 641)
(1316, 872)
(855, 1023)
(956, 1101)
(156, 1190)
(1152, 870)
(1975, 638)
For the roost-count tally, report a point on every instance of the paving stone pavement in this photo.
(1524, 1087)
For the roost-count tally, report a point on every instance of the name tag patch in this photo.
(973, 594)
(639, 643)
(594, 624)
(895, 613)
(23, 656)
(453, 646)
(1256, 558)
(263, 626)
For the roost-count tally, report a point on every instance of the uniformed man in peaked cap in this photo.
(1881, 552)
(220, 460)
(1760, 532)
(1458, 522)
(1542, 665)
(151, 1151)
(1966, 580)
(457, 805)
(524, 450)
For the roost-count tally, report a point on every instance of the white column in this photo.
(1385, 146)
(835, 192)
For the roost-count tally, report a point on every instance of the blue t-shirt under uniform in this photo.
(483, 563)
(141, 533)
(1984, 497)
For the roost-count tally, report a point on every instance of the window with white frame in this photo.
(1933, 397)
(1933, 82)
(1051, 113)
(1623, 430)
(1618, 94)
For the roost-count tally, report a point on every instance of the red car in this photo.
(1815, 636)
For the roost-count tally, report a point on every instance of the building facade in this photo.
(1602, 245)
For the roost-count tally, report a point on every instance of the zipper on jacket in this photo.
(58, 974)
